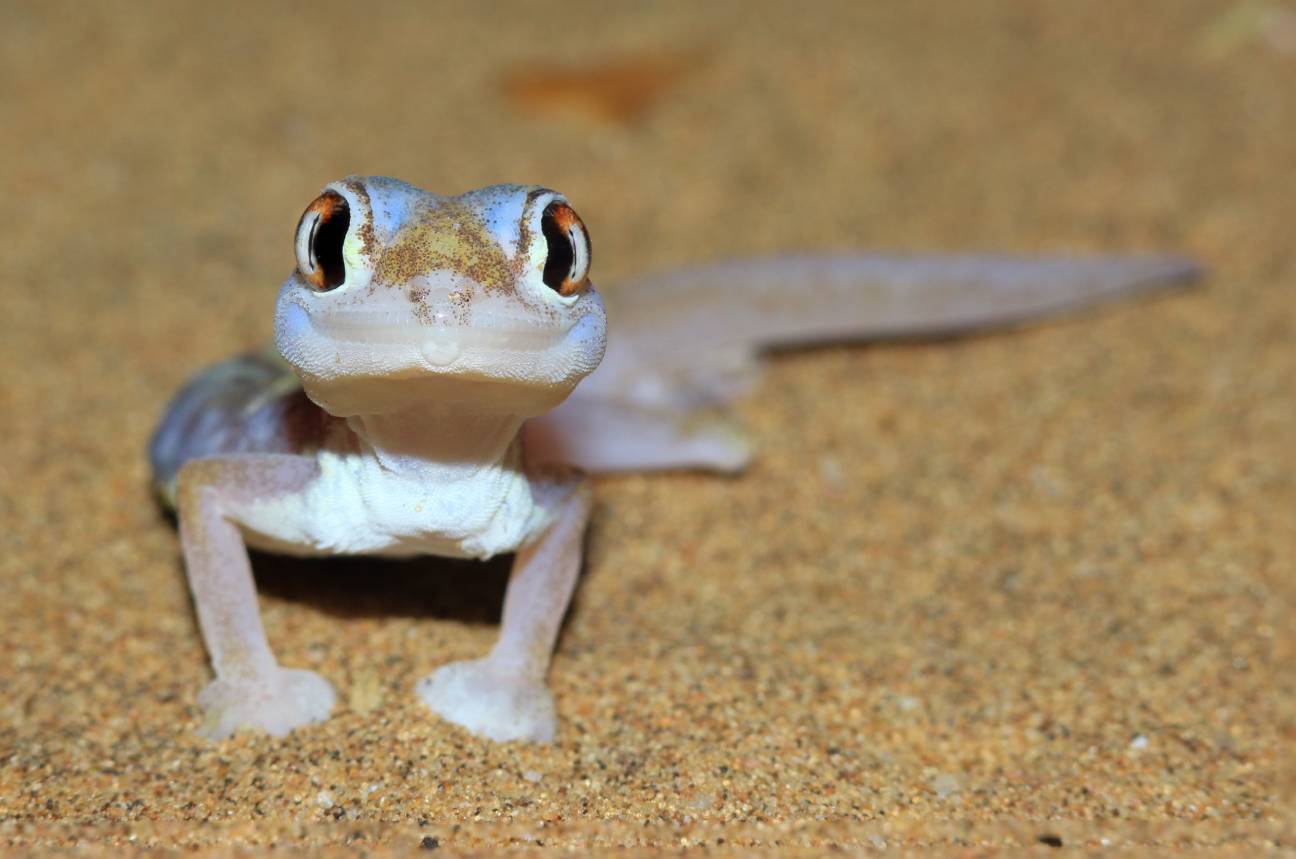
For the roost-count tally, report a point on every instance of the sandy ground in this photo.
(1035, 585)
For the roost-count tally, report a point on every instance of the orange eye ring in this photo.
(567, 262)
(321, 230)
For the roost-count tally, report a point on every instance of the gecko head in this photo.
(399, 295)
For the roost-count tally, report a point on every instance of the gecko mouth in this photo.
(444, 335)
(397, 329)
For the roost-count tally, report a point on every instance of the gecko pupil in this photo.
(558, 264)
(326, 243)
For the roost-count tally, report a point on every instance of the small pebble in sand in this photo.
(702, 802)
(945, 785)
(831, 472)
(1139, 742)
(908, 703)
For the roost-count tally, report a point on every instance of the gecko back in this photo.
(253, 403)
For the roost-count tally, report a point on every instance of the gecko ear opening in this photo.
(567, 261)
(321, 232)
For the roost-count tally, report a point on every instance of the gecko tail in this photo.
(684, 343)
(813, 299)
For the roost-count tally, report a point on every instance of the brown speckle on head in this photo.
(365, 231)
(445, 236)
(418, 297)
(524, 238)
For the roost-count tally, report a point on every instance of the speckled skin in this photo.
(425, 360)
(422, 364)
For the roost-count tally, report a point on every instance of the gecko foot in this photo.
(287, 699)
(491, 702)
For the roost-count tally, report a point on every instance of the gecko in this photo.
(445, 378)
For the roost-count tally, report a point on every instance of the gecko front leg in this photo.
(251, 690)
(503, 695)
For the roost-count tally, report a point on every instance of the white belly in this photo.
(359, 507)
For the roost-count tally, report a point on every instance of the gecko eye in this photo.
(567, 264)
(320, 233)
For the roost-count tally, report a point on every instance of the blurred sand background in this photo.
(1036, 585)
